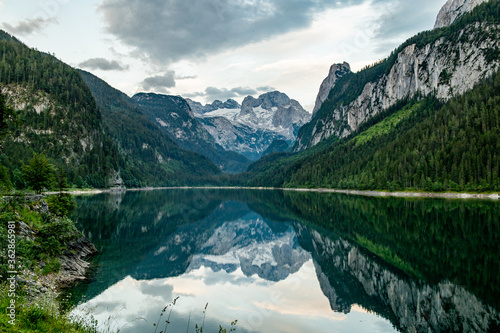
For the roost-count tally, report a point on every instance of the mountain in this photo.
(149, 156)
(175, 117)
(373, 135)
(454, 9)
(250, 128)
(56, 115)
(277, 146)
(444, 62)
(337, 71)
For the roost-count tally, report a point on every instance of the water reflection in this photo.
(289, 262)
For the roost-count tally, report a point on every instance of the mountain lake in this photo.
(283, 261)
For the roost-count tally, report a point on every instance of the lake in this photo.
(280, 261)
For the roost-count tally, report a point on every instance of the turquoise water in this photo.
(289, 262)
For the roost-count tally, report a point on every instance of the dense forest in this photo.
(59, 118)
(98, 135)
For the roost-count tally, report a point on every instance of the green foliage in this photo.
(277, 146)
(38, 173)
(5, 182)
(7, 115)
(195, 137)
(59, 118)
(386, 125)
(61, 204)
(40, 317)
(141, 143)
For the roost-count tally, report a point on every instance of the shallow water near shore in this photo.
(283, 261)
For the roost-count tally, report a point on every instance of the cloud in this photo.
(159, 83)
(168, 31)
(399, 20)
(265, 89)
(103, 64)
(213, 93)
(29, 26)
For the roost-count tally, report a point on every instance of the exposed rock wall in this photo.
(336, 71)
(453, 9)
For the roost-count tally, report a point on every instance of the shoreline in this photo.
(399, 194)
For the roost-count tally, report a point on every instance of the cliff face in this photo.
(336, 72)
(453, 9)
(414, 307)
(448, 66)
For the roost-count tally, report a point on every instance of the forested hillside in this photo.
(149, 157)
(56, 115)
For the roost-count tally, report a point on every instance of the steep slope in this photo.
(277, 146)
(57, 116)
(149, 156)
(239, 138)
(444, 62)
(419, 145)
(250, 128)
(174, 116)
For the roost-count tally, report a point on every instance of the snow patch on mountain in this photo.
(251, 127)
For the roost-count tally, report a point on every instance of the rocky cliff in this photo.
(443, 63)
(453, 9)
(336, 72)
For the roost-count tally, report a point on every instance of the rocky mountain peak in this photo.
(337, 71)
(251, 127)
(453, 9)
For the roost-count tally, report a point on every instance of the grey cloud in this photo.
(167, 31)
(213, 93)
(402, 19)
(242, 91)
(159, 83)
(30, 26)
(103, 64)
(265, 89)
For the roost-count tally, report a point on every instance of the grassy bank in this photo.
(35, 234)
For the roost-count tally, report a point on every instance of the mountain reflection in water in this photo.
(290, 262)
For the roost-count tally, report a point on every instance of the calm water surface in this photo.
(290, 262)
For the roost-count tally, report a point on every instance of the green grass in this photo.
(40, 316)
(39, 313)
(386, 126)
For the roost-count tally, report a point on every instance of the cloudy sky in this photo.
(217, 49)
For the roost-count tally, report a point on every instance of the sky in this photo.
(217, 49)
